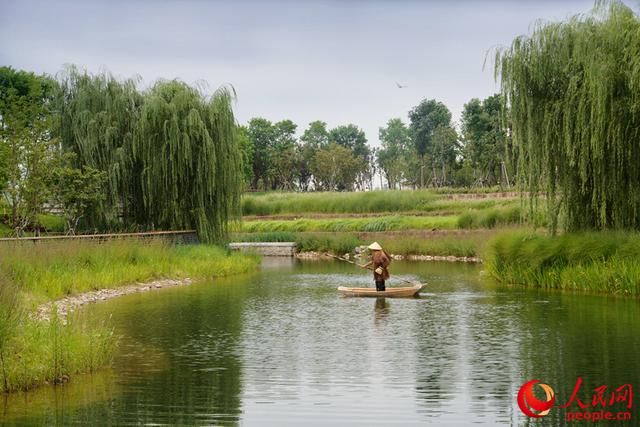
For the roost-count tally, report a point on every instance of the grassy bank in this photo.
(363, 202)
(34, 352)
(483, 218)
(607, 262)
(398, 244)
(384, 223)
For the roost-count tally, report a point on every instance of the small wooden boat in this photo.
(406, 292)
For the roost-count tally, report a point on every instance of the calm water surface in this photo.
(281, 347)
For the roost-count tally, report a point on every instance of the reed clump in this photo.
(607, 262)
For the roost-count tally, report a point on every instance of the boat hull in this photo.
(406, 292)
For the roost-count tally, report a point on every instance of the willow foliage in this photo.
(171, 153)
(573, 90)
(98, 115)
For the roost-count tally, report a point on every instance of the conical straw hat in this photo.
(375, 246)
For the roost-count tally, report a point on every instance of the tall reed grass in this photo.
(34, 352)
(370, 224)
(359, 202)
(333, 202)
(597, 262)
(55, 269)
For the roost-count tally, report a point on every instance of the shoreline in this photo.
(68, 304)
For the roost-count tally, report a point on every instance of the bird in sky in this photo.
(400, 86)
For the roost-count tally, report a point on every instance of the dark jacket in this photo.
(380, 259)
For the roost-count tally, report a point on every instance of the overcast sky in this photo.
(336, 61)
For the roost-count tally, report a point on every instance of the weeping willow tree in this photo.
(187, 147)
(573, 91)
(97, 116)
(171, 153)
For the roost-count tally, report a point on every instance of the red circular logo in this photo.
(530, 405)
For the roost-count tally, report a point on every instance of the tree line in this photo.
(109, 156)
(425, 152)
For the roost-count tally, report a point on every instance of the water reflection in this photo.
(381, 308)
(281, 347)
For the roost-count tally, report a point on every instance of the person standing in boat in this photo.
(380, 260)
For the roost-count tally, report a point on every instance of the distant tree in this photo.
(485, 140)
(316, 135)
(261, 134)
(335, 168)
(283, 168)
(354, 139)
(446, 148)
(247, 155)
(425, 118)
(305, 155)
(351, 137)
(76, 191)
(392, 156)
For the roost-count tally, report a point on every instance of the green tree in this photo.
(392, 156)
(446, 148)
(247, 155)
(75, 191)
(425, 118)
(316, 135)
(97, 119)
(284, 161)
(485, 140)
(335, 167)
(573, 92)
(261, 133)
(354, 139)
(171, 154)
(27, 145)
(192, 167)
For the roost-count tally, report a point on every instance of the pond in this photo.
(281, 347)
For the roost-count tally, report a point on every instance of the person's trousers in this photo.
(380, 285)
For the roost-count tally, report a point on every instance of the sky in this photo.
(335, 61)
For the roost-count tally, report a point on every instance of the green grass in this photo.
(360, 202)
(35, 352)
(341, 243)
(607, 262)
(334, 202)
(52, 223)
(489, 217)
(54, 269)
(45, 352)
(441, 245)
(371, 224)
